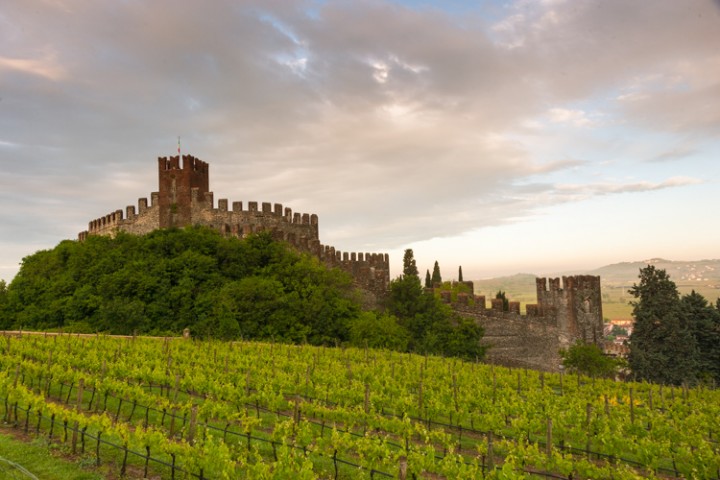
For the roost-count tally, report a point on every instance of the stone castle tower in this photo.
(177, 186)
(184, 198)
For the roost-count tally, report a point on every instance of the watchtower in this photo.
(176, 184)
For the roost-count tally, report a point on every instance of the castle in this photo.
(183, 198)
(562, 315)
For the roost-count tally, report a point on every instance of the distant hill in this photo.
(703, 276)
(683, 273)
(519, 287)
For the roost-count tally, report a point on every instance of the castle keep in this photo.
(184, 198)
(564, 313)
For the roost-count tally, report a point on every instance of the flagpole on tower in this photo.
(179, 146)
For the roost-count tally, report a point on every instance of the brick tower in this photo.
(176, 186)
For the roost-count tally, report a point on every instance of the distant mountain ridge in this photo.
(682, 272)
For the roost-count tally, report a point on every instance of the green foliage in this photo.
(432, 326)
(409, 264)
(3, 300)
(675, 340)
(378, 330)
(222, 288)
(506, 303)
(40, 460)
(588, 359)
(703, 320)
(662, 349)
(618, 330)
(436, 277)
(172, 279)
(454, 288)
(427, 403)
(428, 279)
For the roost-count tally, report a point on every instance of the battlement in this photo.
(183, 199)
(132, 221)
(268, 209)
(188, 163)
(568, 283)
(477, 306)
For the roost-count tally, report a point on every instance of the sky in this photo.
(501, 136)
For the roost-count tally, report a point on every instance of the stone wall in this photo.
(564, 314)
(139, 222)
(184, 199)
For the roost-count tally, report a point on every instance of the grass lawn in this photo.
(36, 457)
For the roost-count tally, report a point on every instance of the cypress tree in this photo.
(428, 281)
(460, 279)
(436, 277)
(409, 264)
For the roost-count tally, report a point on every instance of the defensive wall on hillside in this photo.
(564, 313)
(183, 198)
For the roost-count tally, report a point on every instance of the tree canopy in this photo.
(436, 278)
(674, 340)
(588, 358)
(432, 326)
(222, 287)
(171, 279)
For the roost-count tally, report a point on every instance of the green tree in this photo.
(436, 277)
(618, 330)
(588, 359)
(171, 279)
(4, 318)
(378, 330)
(409, 264)
(703, 320)
(460, 277)
(506, 303)
(662, 347)
(432, 326)
(428, 280)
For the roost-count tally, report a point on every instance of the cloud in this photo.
(576, 118)
(42, 67)
(395, 124)
(588, 190)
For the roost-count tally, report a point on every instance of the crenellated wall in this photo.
(184, 199)
(567, 309)
(565, 313)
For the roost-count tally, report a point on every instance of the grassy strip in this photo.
(37, 458)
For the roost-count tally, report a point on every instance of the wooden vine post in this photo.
(78, 407)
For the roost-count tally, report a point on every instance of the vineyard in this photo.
(185, 409)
